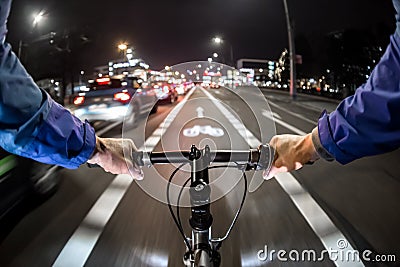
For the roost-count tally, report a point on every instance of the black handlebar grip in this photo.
(137, 157)
(266, 157)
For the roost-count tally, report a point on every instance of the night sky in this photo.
(167, 32)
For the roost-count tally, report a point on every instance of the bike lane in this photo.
(198, 123)
(266, 218)
(142, 233)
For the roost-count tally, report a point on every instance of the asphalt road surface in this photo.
(99, 219)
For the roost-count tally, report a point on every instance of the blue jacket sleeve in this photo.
(367, 123)
(32, 124)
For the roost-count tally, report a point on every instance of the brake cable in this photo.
(220, 240)
(189, 247)
(177, 218)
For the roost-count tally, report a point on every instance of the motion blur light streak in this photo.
(154, 259)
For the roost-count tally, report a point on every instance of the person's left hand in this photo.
(109, 154)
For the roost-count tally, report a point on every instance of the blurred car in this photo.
(214, 85)
(180, 89)
(109, 99)
(22, 179)
(166, 92)
(183, 88)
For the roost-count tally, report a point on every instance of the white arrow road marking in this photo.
(200, 112)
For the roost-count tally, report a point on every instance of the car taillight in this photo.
(78, 100)
(103, 81)
(122, 97)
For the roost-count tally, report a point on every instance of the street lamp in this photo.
(292, 53)
(37, 18)
(218, 40)
(122, 48)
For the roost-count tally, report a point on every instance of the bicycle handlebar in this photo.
(258, 159)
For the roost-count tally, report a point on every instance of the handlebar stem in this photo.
(200, 191)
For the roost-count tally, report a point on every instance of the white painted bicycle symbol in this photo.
(208, 129)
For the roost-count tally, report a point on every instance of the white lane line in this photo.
(315, 216)
(80, 245)
(322, 225)
(291, 113)
(284, 124)
(276, 115)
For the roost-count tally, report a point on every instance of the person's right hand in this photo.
(291, 153)
(109, 154)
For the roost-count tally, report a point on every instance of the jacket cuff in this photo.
(322, 152)
(328, 143)
(89, 146)
(78, 138)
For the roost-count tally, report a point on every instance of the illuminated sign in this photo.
(130, 63)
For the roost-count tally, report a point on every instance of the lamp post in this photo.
(292, 53)
(82, 72)
(129, 53)
(37, 18)
(218, 40)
